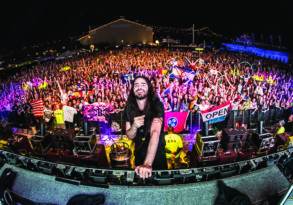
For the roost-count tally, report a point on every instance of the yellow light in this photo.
(92, 47)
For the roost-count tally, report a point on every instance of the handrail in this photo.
(98, 176)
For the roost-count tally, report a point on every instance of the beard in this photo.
(140, 97)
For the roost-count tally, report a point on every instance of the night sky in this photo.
(23, 22)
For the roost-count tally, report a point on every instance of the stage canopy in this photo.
(120, 31)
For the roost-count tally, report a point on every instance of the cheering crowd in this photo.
(217, 77)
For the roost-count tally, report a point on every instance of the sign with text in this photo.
(216, 113)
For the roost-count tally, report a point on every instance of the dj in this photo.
(144, 114)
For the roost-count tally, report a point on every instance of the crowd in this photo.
(247, 82)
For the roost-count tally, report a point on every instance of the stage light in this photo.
(116, 176)
(185, 171)
(229, 170)
(32, 164)
(199, 177)
(2, 160)
(60, 170)
(68, 171)
(79, 173)
(11, 158)
(245, 168)
(271, 54)
(98, 176)
(2, 154)
(163, 178)
(184, 176)
(129, 176)
(24, 161)
(46, 167)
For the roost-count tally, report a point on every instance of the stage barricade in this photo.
(89, 175)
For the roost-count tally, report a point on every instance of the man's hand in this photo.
(138, 121)
(144, 171)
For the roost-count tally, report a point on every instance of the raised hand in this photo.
(138, 121)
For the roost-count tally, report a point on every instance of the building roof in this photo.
(113, 22)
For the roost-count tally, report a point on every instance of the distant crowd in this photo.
(104, 77)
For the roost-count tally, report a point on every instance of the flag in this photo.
(37, 108)
(43, 85)
(270, 80)
(25, 86)
(258, 77)
(176, 73)
(125, 78)
(167, 91)
(216, 113)
(177, 120)
(163, 71)
(188, 63)
(235, 72)
(191, 64)
(188, 74)
(65, 68)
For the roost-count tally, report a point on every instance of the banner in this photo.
(177, 120)
(97, 112)
(216, 114)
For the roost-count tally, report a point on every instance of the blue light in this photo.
(271, 54)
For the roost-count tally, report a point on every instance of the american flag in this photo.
(38, 108)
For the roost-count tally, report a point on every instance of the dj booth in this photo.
(50, 182)
(52, 168)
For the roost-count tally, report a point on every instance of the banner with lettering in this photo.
(216, 114)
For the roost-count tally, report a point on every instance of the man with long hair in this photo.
(144, 115)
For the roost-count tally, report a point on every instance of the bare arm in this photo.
(228, 80)
(154, 141)
(130, 130)
(60, 89)
(145, 170)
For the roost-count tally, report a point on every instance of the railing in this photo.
(250, 118)
(105, 177)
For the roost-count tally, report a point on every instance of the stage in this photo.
(258, 185)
